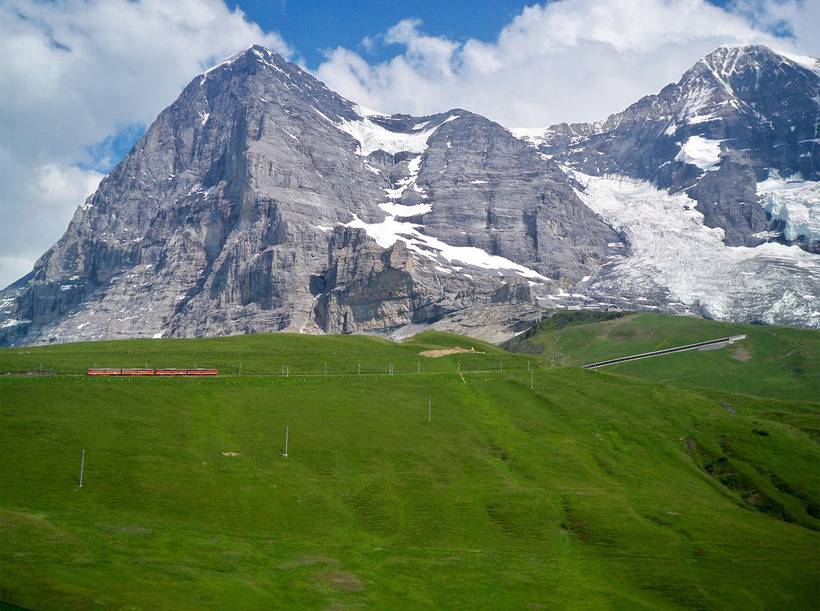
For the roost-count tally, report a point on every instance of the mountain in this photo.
(737, 117)
(262, 201)
(713, 185)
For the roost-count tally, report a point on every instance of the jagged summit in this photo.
(737, 117)
(745, 95)
(735, 90)
(275, 69)
(727, 60)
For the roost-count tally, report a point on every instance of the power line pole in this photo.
(286, 442)
(82, 464)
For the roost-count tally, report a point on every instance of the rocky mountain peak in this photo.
(728, 62)
(262, 201)
(737, 117)
(754, 83)
(259, 70)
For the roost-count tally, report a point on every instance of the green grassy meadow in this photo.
(777, 362)
(586, 490)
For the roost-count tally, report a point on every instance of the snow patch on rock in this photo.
(700, 151)
(530, 135)
(391, 230)
(12, 322)
(804, 61)
(374, 137)
(413, 167)
(400, 211)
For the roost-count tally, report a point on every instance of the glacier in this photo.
(794, 201)
(672, 255)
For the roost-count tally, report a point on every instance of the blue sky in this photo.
(313, 27)
(80, 80)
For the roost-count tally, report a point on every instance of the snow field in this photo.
(670, 248)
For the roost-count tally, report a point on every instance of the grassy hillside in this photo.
(264, 355)
(585, 490)
(777, 362)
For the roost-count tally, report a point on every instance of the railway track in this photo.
(646, 355)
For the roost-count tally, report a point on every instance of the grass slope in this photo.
(585, 490)
(264, 355)
(777, 362)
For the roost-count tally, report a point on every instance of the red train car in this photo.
(103, 372)
(151, 372)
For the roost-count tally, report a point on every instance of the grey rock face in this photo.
(252, 202)
(491, 192)
(727, 198)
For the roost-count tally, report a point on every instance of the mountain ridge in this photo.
(725, 114)
(260, 200)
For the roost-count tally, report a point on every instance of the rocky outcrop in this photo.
(366, 287)
(493, 193)
(727, 198)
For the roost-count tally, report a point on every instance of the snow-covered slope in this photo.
(713, 183)
(672, 258)
(449, 259)
(373, 135)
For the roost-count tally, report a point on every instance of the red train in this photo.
(185, 372)
(151, 372)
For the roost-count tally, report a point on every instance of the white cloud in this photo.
(55, 184)
(15, 267)
(427, 55)
(801, 18)
(570, 60)
(76, 72)
(48, 196)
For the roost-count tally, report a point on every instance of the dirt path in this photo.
(434, 354)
